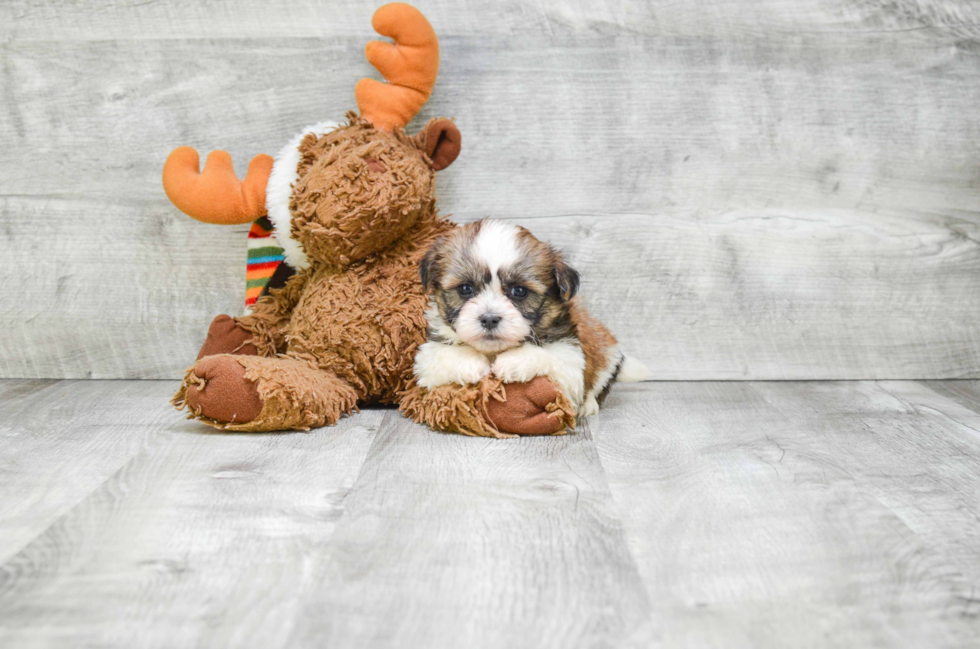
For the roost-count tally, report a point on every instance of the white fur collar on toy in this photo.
(280, 189)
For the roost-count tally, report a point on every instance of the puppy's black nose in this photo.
(489, 321)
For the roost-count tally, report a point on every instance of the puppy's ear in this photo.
(429, 266)
(566, 279)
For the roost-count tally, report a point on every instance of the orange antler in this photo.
(410, 65)
(216, 196)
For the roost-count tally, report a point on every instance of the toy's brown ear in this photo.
(441, 141)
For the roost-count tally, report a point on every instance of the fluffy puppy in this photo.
(503, 302)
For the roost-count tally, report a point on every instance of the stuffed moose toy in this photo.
(354, 208)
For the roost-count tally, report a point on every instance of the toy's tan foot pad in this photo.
(533, 408)
(219, 391)
(226, 337)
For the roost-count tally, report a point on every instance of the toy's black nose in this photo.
(489, 321)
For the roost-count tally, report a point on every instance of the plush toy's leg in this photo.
(537, 407)
(252, 393)
(225, 336)
(491, 408)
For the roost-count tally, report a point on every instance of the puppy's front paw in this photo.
(469, 369)
(438, 364)
(589, 407)
(521, 364)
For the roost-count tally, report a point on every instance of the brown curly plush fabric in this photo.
(458, 408)
(362, 325)
(344, 208)
(263, 394)
(492, 409)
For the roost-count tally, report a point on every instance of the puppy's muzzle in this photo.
(489, 321)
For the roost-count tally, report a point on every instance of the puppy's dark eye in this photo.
(465, 290)
(518, 292)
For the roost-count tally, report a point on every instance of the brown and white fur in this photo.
(503, 303)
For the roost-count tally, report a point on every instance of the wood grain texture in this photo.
(75, 20)
(61, 440)
(284, 540)
(782, 514)
(781, 294)
(798, 514)
(202, 539)
(965, 393)
(783, 189)
(450, 541)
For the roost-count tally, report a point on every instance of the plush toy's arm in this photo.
(491, 408)
(270, 315)
(226, 337)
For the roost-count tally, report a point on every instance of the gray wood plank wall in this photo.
(760, 189)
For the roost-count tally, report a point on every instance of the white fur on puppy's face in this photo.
(513, 328)
(500, 269)
(494, 247)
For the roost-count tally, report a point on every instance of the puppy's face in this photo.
(494, 286)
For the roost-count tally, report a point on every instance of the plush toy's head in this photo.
(361, 188)
(363, 185)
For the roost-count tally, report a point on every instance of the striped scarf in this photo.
(264, 257)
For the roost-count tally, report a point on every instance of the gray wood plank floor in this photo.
(810, 514)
